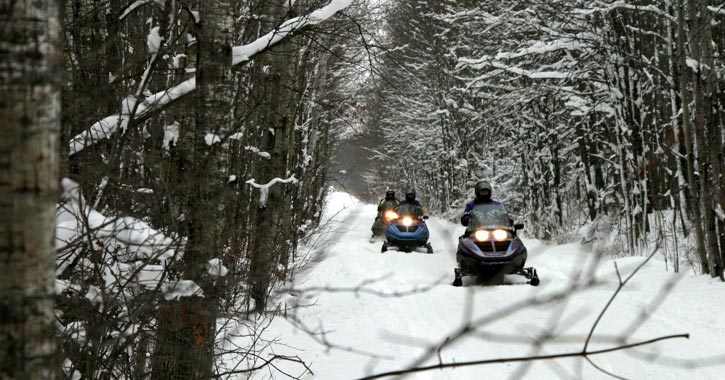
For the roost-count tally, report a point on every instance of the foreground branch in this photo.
(583, 354)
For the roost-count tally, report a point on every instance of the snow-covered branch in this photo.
(623, 4)
(105, 128)
(264, 189)
(243, 53)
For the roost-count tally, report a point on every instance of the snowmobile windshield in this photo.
(486, 215)
(409, 210)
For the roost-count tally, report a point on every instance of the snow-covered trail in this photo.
(384, 312)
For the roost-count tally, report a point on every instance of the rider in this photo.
(410, 200)
(389, 203)
(386, 204)
(482, 196)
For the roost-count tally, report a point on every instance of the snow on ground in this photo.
(348, 296)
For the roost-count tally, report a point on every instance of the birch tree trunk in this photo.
(274, 120)
(29, 127)
(187, 327)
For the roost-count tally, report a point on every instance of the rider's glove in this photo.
(465, 219)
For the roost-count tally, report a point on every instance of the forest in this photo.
(165, 165)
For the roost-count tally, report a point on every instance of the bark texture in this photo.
(29, 116)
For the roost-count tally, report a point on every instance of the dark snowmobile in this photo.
(490, 249)
(381, 223)
(408, 231)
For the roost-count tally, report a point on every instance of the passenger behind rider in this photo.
(482, 196)
(410, 200)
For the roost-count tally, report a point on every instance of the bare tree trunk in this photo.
(29, 127)
(187, 327)
(706, 139)
(275, 119)
(685, 104)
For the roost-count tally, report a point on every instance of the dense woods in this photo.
(588, 117)
(182, 149)
(194, 137)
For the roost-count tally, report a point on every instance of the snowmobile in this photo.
(382, 223)
(490, 249)
(407, 231)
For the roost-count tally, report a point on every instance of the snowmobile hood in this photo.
(491, 250)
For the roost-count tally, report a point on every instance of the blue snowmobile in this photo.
(490, 249)
(407, 231)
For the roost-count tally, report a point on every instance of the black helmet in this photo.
(390, 195)
(483, 191)
(410, 195)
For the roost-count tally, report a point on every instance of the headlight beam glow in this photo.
(481, 235)
(500, 235)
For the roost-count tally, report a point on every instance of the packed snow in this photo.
(366, 312)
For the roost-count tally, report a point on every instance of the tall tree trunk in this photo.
(29, 128)
(187, 327)
(685, 104)
(275, 119)
(701, 36)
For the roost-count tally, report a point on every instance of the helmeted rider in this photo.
(388, 203)
(483, 194)
(410, 200)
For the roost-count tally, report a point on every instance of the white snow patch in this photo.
(95, 296)
(216, 268)
(212, 138)
(171, 135)
(719, 10)
(197, 17)
(153, 41)
(176, 60)
(719, 212)
(149, 276)
(259, 152)
(181, 288)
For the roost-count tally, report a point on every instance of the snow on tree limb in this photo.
(264, 189)
(717, 10)
(105, 128)
(132, 8)
(243, 53)
(269, 184)
(622, 4)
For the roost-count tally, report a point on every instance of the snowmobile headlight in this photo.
(407, 221)
(500, 235)
(390, 215)
(481, 235)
